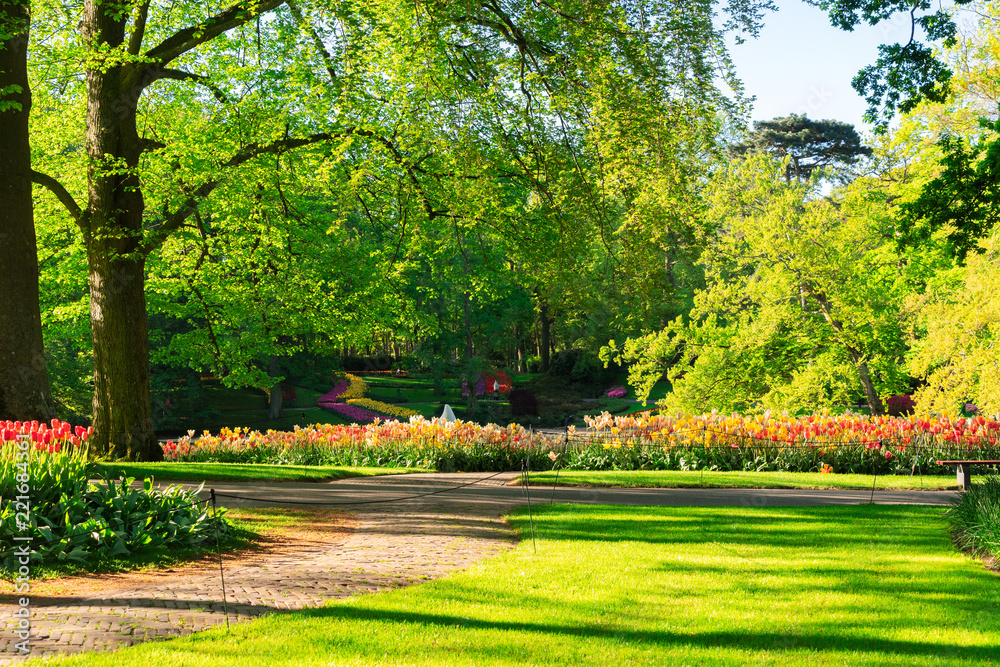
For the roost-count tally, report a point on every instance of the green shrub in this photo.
(579, 365)
(974, 519)
(534, 364)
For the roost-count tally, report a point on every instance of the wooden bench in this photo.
(965, 469)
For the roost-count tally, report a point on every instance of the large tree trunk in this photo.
(123, 424)
(24, 383)
(112, 227)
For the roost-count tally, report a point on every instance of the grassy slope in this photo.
(197, 472)
(754, 480)
(859, 585)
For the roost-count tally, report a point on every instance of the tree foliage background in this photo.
(237, 188)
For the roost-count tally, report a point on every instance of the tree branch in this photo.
(251, 151)
(138, 30)
(189, 38)
(317, 42)
(151, 145)
(61, 193)
(181, 75)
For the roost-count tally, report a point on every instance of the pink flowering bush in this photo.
(485, 384)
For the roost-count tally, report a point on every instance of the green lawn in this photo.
(223, 398)
(412, 389)
(753, 480)
(430, 410)
(198, 472)
(861, 585)
(306, 398)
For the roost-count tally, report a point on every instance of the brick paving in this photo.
(394, 545)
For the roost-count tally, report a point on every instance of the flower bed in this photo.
(419, 442)
(347, 399)
(384, 408)
(350, 388)
(848, 443)
(819, 443)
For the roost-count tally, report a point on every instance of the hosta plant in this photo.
(46, 495)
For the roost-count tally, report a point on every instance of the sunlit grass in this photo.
(262, 472)
(738, 480)
(862, 585)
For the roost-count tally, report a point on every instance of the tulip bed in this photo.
(45, 494)
(847, 443)
(817, 443)
(347, 399)
(419, 443)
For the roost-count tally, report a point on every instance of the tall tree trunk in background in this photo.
(24, 382)
(467, 323)
(112, 230)
(871, 396)
(537, 340)
(274, 407)
(519, 348)
(544, 335)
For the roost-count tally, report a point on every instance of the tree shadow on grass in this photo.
(870, 525)
(747, 640)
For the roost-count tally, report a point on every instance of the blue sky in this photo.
(802, 64)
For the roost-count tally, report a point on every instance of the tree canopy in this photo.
(197, 146)
(808, 144)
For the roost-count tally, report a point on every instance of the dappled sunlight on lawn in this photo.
(619, 585)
